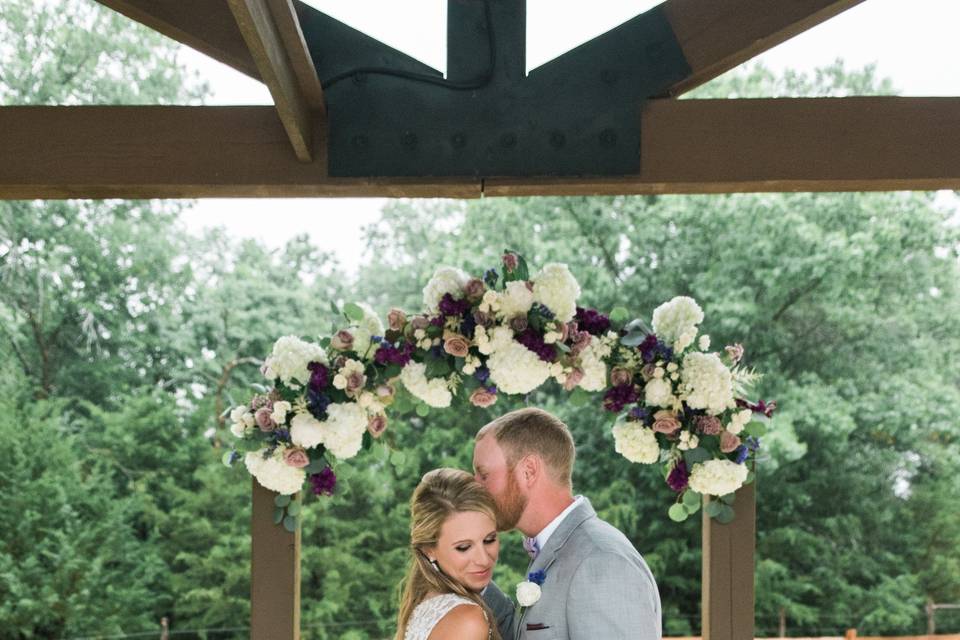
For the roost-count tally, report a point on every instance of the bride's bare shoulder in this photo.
(463, 622)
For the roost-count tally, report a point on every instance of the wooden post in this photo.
(274, 573)
(728, 571)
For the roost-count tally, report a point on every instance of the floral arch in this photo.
(675, 402)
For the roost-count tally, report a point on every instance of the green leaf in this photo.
(277, 515)
(353, 312)
(437, 367)
(316, 465)
(619, 315)
(726, 515)
(334, 308)
(227, 458)
(692, 499)
(294, 509)
(633, 339)
(693, 456)
(579, 397)
(397, 458)
(290, 524)
(281, 501)
(423, 410)
(729, 498)
(637, 326)
(677, 513)
(749, 478)
(713, 508)
(756, 429)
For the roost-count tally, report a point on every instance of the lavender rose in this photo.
(510, 261)
(665, 421)
(376, 425)
(482, 397)
(620, 376)
(709, 425)
(342, 341)
(457, 346)
(573, 379)
(729, 442)
(396, 319)
(264, 421)
(518, 324)
(474, 289)
(735, 352)
(296, 457)
(355, 383)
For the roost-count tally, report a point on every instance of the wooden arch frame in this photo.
(702, 146)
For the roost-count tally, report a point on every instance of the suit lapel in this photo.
(548, 555)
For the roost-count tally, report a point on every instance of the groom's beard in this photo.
(510, 506)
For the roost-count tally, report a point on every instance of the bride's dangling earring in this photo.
(436, 567)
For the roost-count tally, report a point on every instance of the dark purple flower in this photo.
(317, 404)
(490, 277)
(319, 376)
(390, 354)
(592, 321)
(652, 349)
(537, 577)
(677, 480)
(450, 307)
(766, 408)
(616, 398)
(532, 340)
(438, 321)
(640, 413)
(482, 374)
(324, 482)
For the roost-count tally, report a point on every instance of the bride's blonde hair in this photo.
(440, 494)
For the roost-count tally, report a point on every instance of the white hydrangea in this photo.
(445, 280)
(290, 358)
(515, 300)
(636, 443)
(556, 288)
(739, 420)
(676, 318)
(514, 368)
(368, 327)
(433, 392)
(707, 383)
(717, 477)
(341, 433)
(280, 410)
(273, 473)
(658, 393)
(593, 367)
(243, 421)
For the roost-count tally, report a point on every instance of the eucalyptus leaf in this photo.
(259, 388)
(353, 312)
(677, 513)
(423, 410)
(277, 515)
(692, 498)
(726, 515)
(335, 308)
(633, 339)
(619, 315)
(756, 429)
(397, 458)
(713, 508)
(293, 509)
(281, 500)
(290, 524)
(693, 456)
(729, 498)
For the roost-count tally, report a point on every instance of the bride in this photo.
(454, 547)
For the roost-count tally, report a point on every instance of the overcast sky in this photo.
(914, 43)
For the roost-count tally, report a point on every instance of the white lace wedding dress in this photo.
(429, 612)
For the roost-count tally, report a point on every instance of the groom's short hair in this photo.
(535, 431)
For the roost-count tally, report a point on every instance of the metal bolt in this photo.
(609, 76)
(458, 140)
(557, 139)
(359, 78)
(608, 138)
(408, 140)
(508, 140)
(360, 141)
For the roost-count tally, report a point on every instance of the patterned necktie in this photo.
(531, 546)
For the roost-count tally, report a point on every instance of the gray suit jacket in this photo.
(597, 586)
(502, 608)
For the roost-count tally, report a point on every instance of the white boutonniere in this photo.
(528, 591)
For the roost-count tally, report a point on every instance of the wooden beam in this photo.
(687, 146)
(205, 25)
(727, 598)
(274, 573)
(268, 49)
(717, 36)
(288, 25)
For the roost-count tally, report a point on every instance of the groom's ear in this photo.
(531, 468)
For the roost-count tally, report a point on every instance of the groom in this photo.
(595, 584)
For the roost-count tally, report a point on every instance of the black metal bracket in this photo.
(579, 114)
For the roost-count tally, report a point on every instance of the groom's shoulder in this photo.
(603, 536)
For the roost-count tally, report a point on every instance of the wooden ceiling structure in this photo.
(688, 146)
(701, 146)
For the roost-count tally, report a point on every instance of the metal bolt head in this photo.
(408, 139)
(359, 141)
(458, 140)
(359, 78)
(508, 140)
(557, 139)
(608, 138)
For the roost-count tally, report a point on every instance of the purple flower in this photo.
(677, 480)
(490, 277)
(652, 349)
(450, 307)
(317, 404)
(438, 321)
(319, 376)
(766, 408)
(741, 454)
(390, 354)
(532, 340)
(324, 482)
(616, 398)
(592, 321)
(640, 413)
(753, 443)
(482, 374)
(537, 577)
